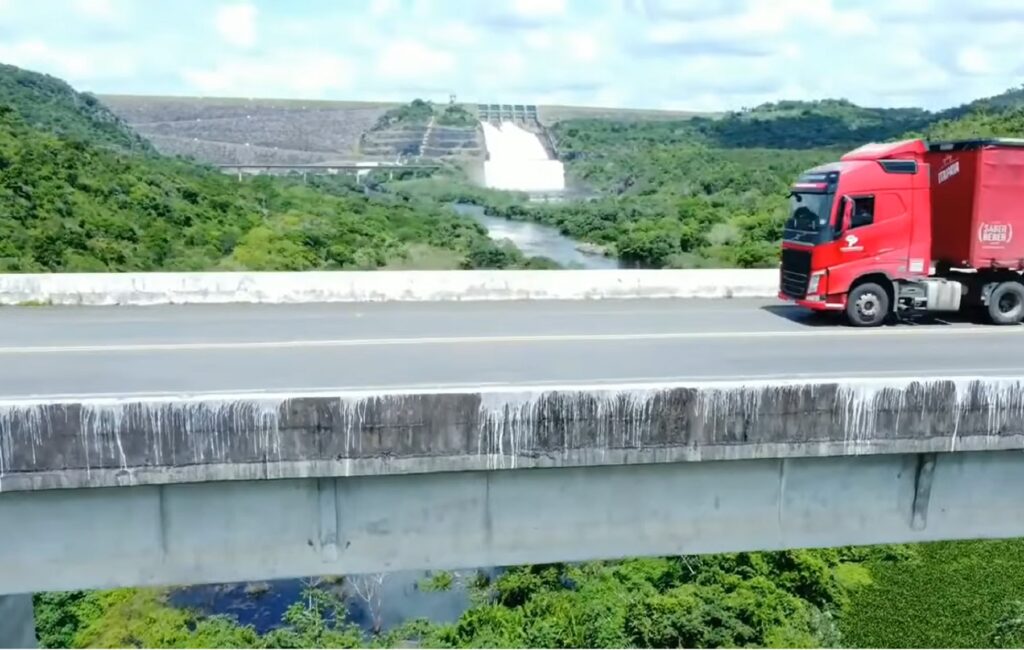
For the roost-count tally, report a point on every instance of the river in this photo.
(535, 239)
(387, 599)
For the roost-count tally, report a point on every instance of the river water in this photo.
(395, 599)
(535, 239)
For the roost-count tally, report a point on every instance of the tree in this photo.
(369, 589)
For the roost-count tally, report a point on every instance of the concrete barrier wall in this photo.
(374, 286)
(137, 441)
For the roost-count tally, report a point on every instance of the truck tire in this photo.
(867, 305)
(1006, 303)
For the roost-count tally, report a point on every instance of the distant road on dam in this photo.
(80, 351)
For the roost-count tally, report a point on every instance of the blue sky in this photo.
(683, 54)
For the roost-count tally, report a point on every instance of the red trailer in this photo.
(977, 200)
(908, 227)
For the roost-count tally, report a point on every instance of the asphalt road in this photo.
(231, 348)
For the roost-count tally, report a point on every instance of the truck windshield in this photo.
(809, 218)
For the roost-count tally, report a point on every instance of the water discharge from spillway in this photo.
(518, 161)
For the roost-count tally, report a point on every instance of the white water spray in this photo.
(518, 161)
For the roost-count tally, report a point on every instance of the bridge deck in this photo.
(173, 349)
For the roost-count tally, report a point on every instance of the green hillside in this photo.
(980, 123)
(1006, 100)
(49, 104)
(79, 196)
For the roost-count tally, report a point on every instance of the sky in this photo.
(704, 55)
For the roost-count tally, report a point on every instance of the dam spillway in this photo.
(518, 161)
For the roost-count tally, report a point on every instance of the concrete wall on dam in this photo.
(169, 439)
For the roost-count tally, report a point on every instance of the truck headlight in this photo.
(812, 286)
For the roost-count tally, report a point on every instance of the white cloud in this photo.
(456, 33)
(761, 26)
(538, 8)
(96, 9)
(684, 53)
(510, 65)
(77, 65)
(583, 47)
(309, 74)
(973, 60)
(35, 54)
(539, 39)
(236, 24)
(381, 8)
(410, 60)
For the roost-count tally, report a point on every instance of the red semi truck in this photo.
(894, 229)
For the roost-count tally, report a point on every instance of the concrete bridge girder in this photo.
(249, 530)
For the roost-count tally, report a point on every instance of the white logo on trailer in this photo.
(995, 233)
(949, 172)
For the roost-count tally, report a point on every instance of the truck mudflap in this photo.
(831, 303)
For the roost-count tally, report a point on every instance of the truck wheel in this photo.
(867, 305)
(1006, 303)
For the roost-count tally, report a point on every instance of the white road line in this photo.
(533, 338)
(710, 381)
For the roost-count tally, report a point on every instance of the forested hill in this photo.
(78, 195)
(49, 104)
(829, 123)
(1005, 101)
(712, 192)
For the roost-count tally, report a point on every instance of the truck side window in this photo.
(863, 211)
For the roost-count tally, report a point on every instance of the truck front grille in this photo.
(796, 272)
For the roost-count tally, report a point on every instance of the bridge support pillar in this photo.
(17, 624)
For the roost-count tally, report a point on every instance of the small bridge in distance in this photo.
(361, 168)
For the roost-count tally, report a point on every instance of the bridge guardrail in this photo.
(380, 286)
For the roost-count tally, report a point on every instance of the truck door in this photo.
(873, 237)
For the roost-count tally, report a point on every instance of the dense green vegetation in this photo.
(1004, 101)
(780, 125)
(965, 594)
(931, 595)
(455, 115)
(985, 123)
(49, 104)
(418, 112)
(73, 202)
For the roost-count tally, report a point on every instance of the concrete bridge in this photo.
(359, 167)
(174, 444)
